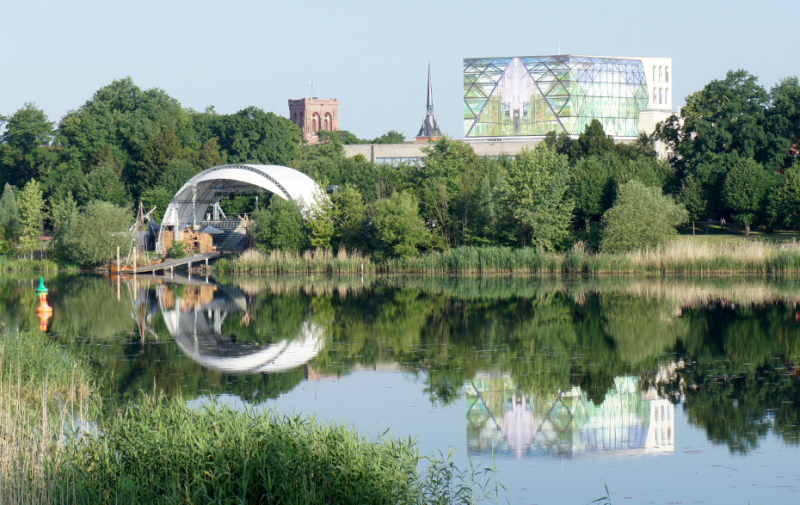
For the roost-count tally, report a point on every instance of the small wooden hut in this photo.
(196, 241)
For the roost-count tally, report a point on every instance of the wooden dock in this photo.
(170, 264)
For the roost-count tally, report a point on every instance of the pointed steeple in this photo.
(429, 127)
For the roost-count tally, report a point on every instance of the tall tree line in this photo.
(734, 156)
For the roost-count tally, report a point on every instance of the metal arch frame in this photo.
(282, 181)
(251, 169)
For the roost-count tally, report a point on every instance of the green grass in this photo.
(29, 265)
(160, 451)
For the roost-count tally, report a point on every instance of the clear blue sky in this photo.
(371, 55)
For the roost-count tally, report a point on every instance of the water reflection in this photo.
(547, 366)
(630, 420)
(195, 318)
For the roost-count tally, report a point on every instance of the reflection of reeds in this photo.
(289, 284)
(682, 292)
(42, 394)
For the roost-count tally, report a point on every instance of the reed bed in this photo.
(43, 396)
(33, 265)
(682, 257)
(161, 451)
(253, 261)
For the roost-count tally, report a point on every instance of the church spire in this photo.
(429, 127)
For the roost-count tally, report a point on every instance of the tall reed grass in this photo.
(253, 261)
(43, 396)
(35, 265)
(160, 451)
(677, 258)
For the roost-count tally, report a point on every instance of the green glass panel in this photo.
(557, 103)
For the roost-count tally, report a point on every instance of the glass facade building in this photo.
(531, 96)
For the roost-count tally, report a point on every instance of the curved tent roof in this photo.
(190, 203)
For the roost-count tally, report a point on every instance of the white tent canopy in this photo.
(190, 203)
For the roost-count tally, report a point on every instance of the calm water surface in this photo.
(665, 391)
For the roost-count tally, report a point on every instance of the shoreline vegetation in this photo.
(680, 258)
(57, 445)
(33, 265)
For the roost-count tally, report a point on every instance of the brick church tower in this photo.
(313, 115)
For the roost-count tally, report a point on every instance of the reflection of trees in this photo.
(546, 335)
(737, 380)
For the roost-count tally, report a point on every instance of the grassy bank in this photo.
(159, 450)
(687, 256)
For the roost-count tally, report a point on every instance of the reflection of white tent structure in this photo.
(198, 332)
(190, 203)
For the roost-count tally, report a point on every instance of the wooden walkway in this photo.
(170, 264)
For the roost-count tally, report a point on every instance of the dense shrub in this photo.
(399, 230)
(641, 217)
(92, 237)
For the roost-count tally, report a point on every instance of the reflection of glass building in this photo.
(568, 423)
(531, 96)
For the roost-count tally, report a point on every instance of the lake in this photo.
(665, 391)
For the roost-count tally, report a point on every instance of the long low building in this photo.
(410, 153)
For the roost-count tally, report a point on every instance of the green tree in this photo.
(209, 155)
(593, 141)
(27, 153)
(390, 137)
(783, 122)
(784, 204)
(593, 187)
(91, 238)
(727, 115)
(341, 137)
(103, 183)
(280, 226)
(745, 188)
(128, 119)
(176, 174)
(693, 198)
(9, 215)
(448, 188)
(320, 222)
(349, 218)
(399, 230)
(31, 217)
(560, 142)
(535, 194)
(254, 136)
(63, 210)
(162, 150)
(158, 197)
(641, 217)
